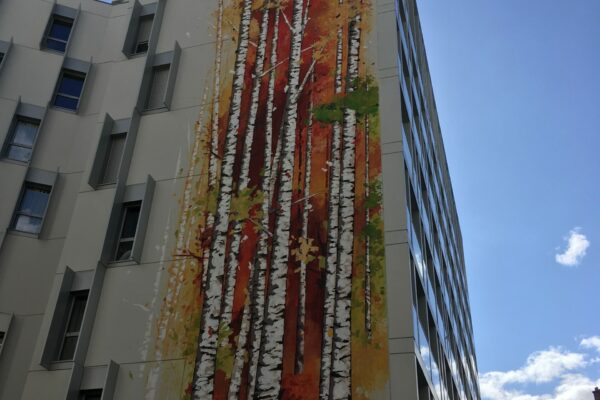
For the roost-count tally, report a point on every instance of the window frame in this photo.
(168, 59)
(5, 321)
(65, 20)
(73, 297)
(10, 138)
(27, 111)
(17, 213)
(76, 69)
(5, 48)
(138, 12)
(119, 240)
(59, 12)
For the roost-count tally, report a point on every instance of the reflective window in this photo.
(22, 139)
(113, 158)
(77, 304)
(129, 221)
(143, 34)
(58, 35)
(91, 395)
(69, 90)
(158, 88)
(31, 209)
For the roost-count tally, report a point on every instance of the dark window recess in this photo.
(158, 88)
(77, 303)
(1, 57)
(31, 209)
(69, 89)
(143, 34)
(58, 34)
(129, 222)
(113, 158)
(22, 139)
(91, 395)
(2, 335)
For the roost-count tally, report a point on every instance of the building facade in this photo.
(226, 199)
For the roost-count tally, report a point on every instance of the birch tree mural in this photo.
(280, 281)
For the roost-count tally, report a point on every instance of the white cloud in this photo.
(562, 367)
(577, 245)
(592, 342)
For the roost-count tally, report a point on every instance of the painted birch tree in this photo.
(209, 326)
(341, 359)
(332, 229)
(269, 367)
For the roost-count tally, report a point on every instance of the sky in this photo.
(517, 87)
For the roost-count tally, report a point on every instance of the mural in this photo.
(277, 288)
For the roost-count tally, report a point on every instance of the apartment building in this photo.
(225, 199)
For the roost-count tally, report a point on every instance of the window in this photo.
(77, 303)
(158, 87)
(32, 208)
(114, 155)
(22, 139)
(143, 34)
(69, 89)
(129, 222)
(58, 33)
(1, 57)
(91, 394)
(2, 336)
(158, 83)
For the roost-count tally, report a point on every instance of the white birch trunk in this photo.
(205, 364)
(244, 179)
(234, 250)
(214, 132)
(271, 359)
(258, 282)
(332, 234)
(368, 325)
(305, 211)
(341, 360)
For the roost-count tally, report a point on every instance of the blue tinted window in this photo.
(31, 209)
(69, 90)
(71, 85)
(59, 32)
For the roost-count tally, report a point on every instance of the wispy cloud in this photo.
(577, 245)
(593, 342)
(553, 365)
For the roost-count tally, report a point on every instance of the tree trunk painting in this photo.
(279, 279)
(209, 328)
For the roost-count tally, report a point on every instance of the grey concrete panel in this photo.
(399, 291)
(129, 298)
(394, 196)
(387, 38)
(114, 35)
(60, 208)
(7, 111)
(391, 116)
(160, 236)
(11, 177)
(33, 74)
(64, 142)
(403, 376)
(193, 63)
(121, 95)
(32, 16)
(29, 263)
(87, 230)
(163, 145)
(51, 385)
(16, 354)
(87, 36)
(134, 380)
(189, 23)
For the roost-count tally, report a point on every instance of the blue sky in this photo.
(517, 87)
